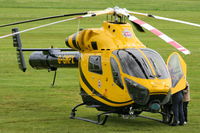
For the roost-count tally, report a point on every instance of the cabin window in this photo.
(95, 64)
(116, 74)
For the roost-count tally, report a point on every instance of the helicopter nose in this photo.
(156, 84)
(159, 87)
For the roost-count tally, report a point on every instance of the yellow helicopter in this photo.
(117, 72)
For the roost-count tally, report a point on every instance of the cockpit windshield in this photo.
(135, 64)
(157, 62)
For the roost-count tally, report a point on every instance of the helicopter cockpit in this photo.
(143, 63)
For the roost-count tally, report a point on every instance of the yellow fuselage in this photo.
(100, 44)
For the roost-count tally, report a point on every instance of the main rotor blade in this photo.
(92, 14)
(153, 30)
(102, 12)
(44, 18)
(164, 18)
(159, 34)
(138, 27)
(45, 25)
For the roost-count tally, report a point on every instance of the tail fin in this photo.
(20, 56)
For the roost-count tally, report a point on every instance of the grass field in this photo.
(28, 103)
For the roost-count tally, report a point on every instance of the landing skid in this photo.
(102, 117)
(150, 118)
(166, 118)
(100, 120)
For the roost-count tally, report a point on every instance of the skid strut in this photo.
(100, 120)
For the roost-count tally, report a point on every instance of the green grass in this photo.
(28, 103)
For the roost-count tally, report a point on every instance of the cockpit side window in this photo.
(95, 64)
(157, 62)
(116, 73)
